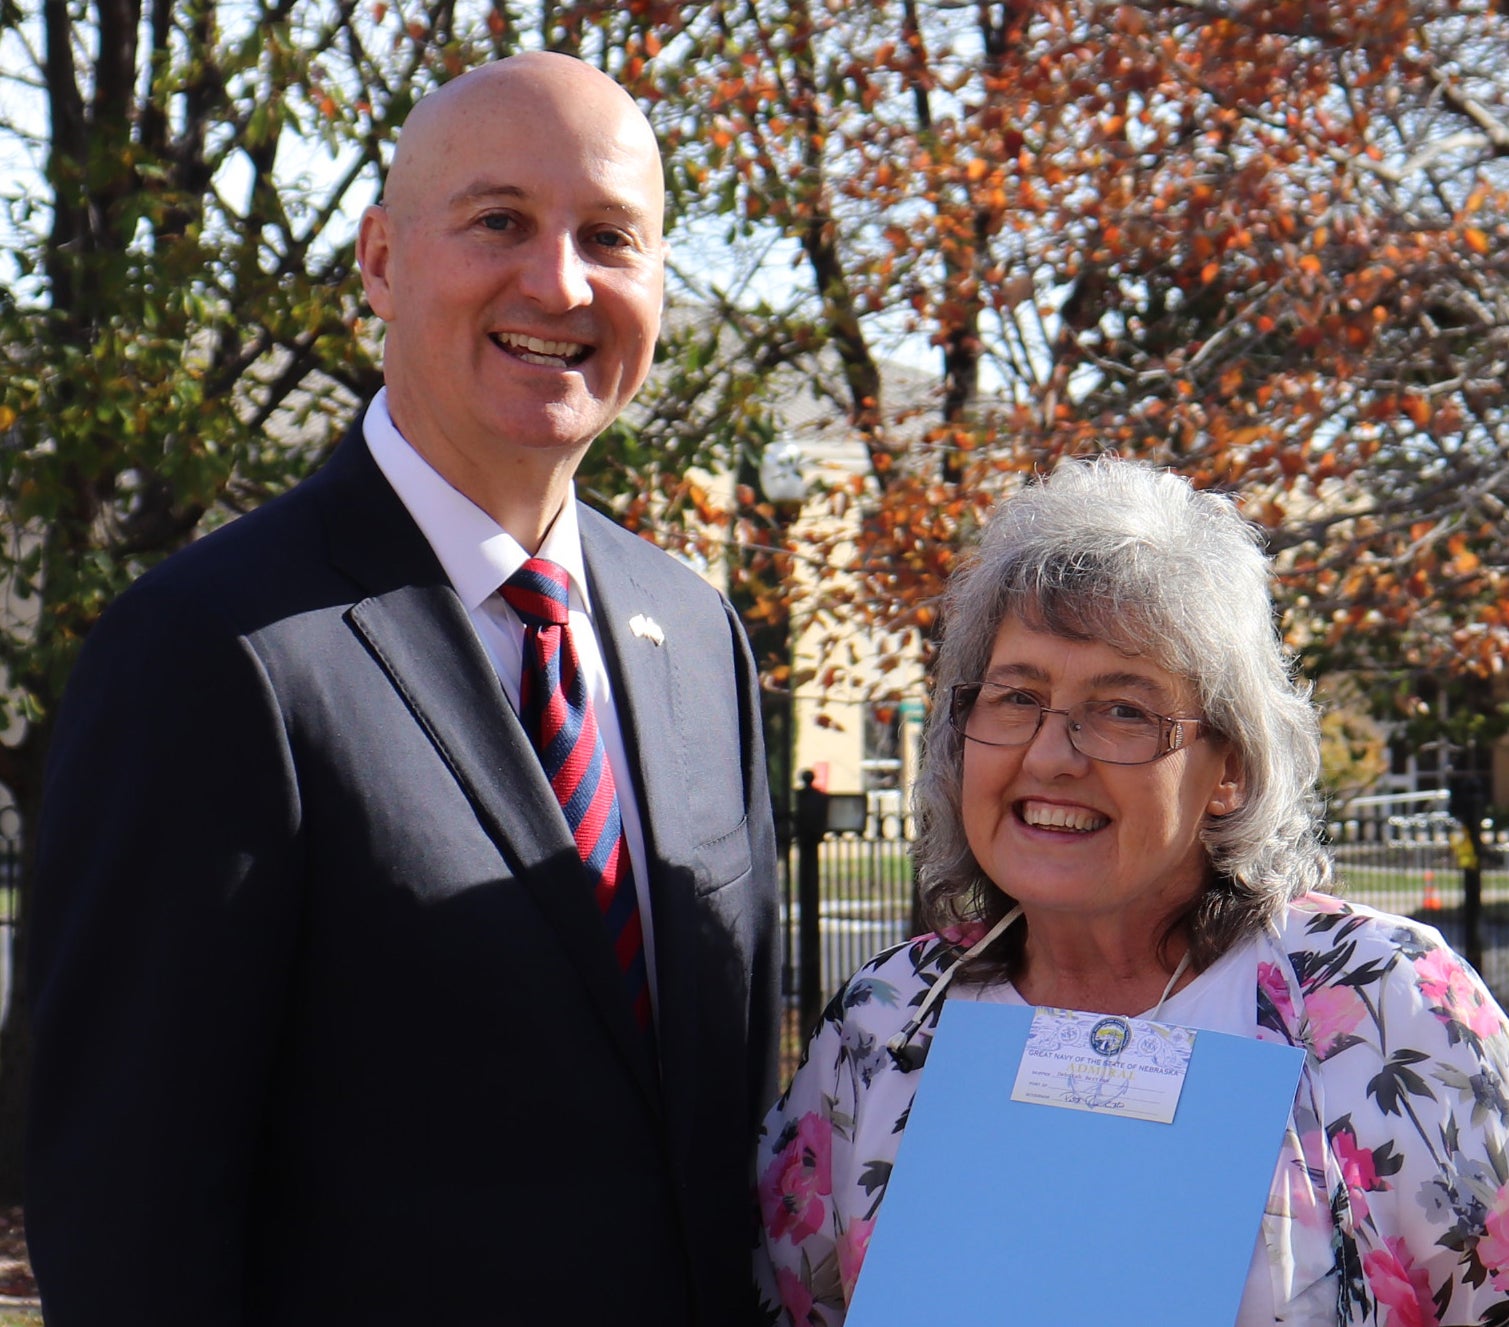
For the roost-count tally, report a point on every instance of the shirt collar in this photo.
(475, 552)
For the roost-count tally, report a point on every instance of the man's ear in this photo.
(1231, 792)
(374, 250)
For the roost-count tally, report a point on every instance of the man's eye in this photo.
(498, 221)
(611, 239)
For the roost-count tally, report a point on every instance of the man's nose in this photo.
(555, 274)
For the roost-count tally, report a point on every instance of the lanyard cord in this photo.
(900, 1044)
(1169, 989)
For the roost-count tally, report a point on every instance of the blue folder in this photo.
(1002, 1212)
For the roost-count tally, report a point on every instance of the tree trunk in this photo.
(15, 1032)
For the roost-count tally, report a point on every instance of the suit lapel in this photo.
(643, 689)
(419, 633)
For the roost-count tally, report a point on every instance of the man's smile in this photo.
(536, 350)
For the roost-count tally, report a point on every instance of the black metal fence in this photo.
(847, 893)
(1427, 865)
(864, 901)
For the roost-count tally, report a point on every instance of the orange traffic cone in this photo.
(1432, 900)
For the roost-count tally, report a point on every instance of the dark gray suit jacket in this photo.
(328, 1029)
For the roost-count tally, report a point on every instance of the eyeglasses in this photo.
(1114, 731)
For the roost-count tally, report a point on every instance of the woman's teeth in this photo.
(1076, 819)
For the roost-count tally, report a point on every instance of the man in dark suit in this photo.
(341, 1014)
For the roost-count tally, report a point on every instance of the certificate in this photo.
(1007, 1211)
(1127, 1066)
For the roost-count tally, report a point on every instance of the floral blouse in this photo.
(1390, 1200)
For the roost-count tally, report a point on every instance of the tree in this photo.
(175, 307)
(1265, 243)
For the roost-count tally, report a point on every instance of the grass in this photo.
(20, 1318)
(1402, 889)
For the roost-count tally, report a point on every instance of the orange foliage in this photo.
(1182, 235)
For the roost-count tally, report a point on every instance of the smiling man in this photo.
(405, 944)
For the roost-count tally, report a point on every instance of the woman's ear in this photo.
(1230, 792)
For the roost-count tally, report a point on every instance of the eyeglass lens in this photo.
(1110, 730)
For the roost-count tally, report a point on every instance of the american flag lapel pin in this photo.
(646, 628)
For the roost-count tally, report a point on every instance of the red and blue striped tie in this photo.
(557, 715)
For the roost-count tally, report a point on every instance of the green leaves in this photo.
(1194, 238)
(1397, 1081)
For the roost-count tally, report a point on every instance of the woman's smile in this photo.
(1055, 816)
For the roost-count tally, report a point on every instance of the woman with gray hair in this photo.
(1117, 814)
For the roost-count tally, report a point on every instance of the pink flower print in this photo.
(1333, 1012)
(1271, 982)
(1493, 1247)
(1317, 902)
(852, 1245)
(796, 1298)
(1400, 1287)
(1358, 1170)
(795, 1182)
(1447, 986)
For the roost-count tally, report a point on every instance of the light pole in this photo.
(784, 487)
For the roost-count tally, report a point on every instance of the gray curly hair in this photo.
(1117, 551)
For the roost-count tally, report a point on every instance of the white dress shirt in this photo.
(478, 555)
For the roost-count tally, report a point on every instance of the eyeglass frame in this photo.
(963, 695)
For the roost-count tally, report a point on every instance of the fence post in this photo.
(811, 825)
(1467, 800)
(1472, 902)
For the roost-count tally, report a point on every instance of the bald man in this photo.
(383, 974)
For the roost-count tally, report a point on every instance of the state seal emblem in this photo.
(1109, 1037)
